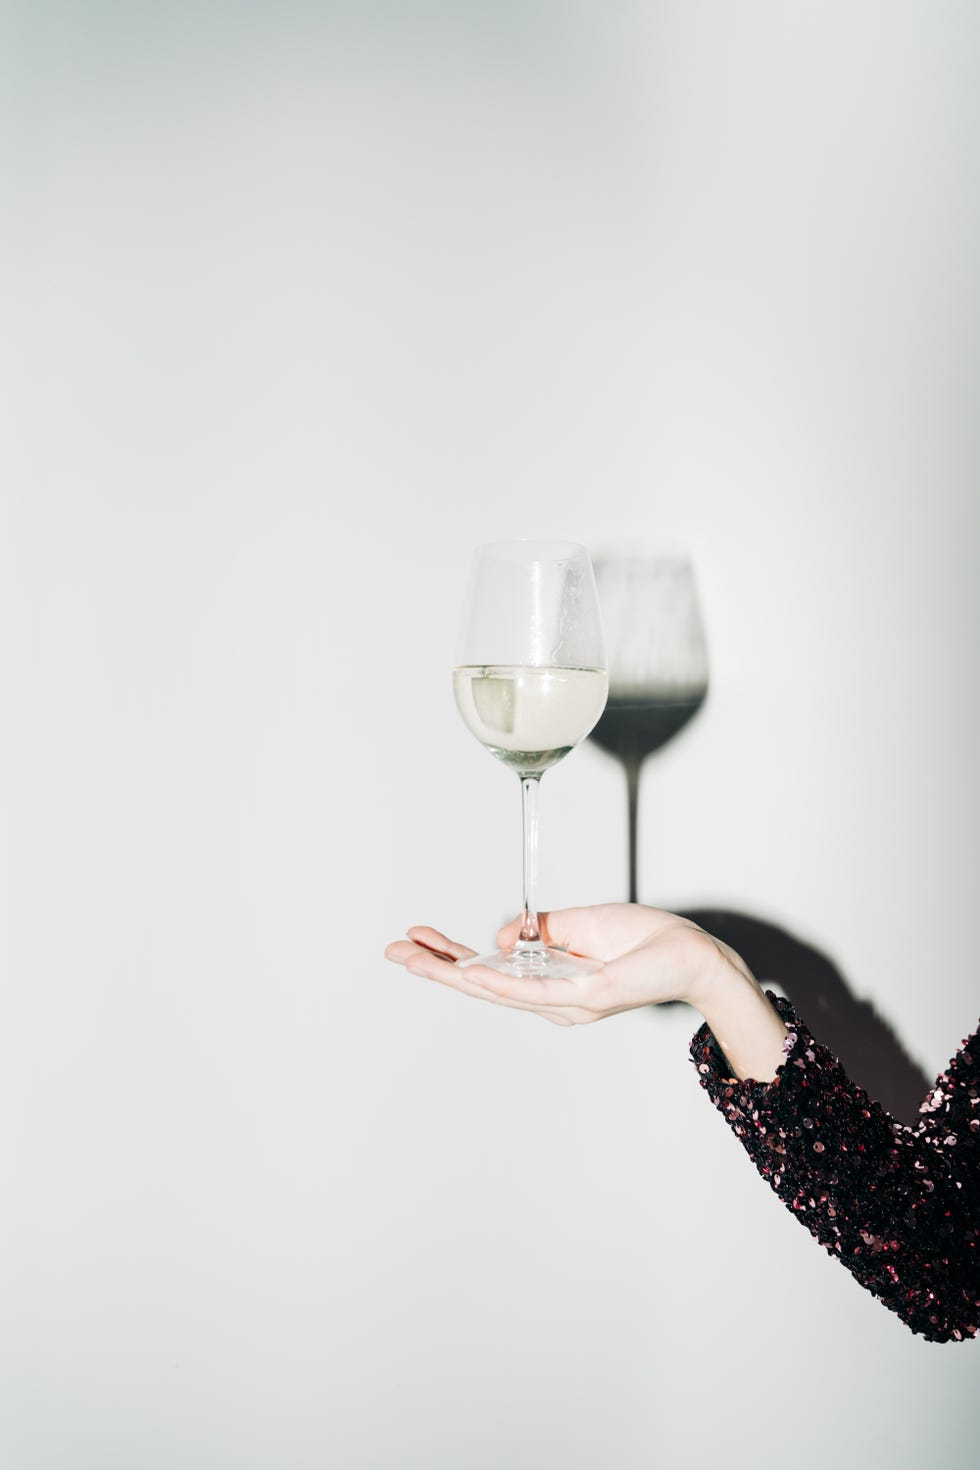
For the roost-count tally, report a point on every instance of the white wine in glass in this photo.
(530, 685)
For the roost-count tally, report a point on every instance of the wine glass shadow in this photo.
(871, 1052)
(658, 683)
(658, 665)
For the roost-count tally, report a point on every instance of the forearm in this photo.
(745, 1025)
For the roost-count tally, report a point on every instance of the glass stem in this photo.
(529, 812)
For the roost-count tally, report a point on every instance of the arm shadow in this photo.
(871, 1052)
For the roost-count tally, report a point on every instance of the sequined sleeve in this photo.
(899, 1205)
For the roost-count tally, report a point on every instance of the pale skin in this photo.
(649, 956)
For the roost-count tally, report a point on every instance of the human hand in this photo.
(648, 956)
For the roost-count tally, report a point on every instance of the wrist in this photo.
(740, 1016)
(715, 973)
(745, 1025)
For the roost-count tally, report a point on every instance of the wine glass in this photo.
(530, 684)
(658, 664)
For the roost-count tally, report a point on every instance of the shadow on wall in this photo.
(658, 683)
(869, 1049)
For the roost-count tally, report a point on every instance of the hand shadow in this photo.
(870, 1051)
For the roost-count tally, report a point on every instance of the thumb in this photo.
(568, 927)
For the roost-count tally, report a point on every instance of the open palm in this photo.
(648, 956)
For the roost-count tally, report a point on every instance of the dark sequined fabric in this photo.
(898, 1205)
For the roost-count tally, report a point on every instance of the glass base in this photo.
(534, 962)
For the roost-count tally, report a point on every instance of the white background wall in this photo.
(309, 300)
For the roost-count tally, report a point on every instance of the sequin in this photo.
(870, 1188)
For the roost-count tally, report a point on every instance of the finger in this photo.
(418, 959)
(439, 943)
(400, 951)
